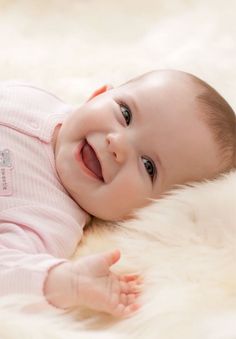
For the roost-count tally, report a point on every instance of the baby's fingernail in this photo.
(135, 307)
(138, 291)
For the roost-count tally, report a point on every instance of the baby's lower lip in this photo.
(79, 158)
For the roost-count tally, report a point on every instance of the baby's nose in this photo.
(117, 145)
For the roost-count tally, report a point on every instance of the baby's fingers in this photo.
(130, 287)
(133, 280)
(128, 299)
(130, 277)
(125, 311)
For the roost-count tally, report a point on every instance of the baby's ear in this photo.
(100, 90)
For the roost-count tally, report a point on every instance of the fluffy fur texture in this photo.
(185, 244)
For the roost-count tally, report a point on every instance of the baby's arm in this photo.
(89, 282)
(24, 261)
(27, 267)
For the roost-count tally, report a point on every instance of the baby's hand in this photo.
(89, 282)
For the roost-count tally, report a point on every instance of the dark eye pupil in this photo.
(149, 167)
(126, 114)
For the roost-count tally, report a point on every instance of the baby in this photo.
(117, 152)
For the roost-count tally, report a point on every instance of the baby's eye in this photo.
(126, 113)
(150, 167)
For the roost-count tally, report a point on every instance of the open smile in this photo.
(87, 158)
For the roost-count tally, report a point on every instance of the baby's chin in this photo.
(102, 215)
(102, 211)
(115, 216)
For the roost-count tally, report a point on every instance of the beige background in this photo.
(73, 46)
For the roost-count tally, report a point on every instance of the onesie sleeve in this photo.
(24, 263)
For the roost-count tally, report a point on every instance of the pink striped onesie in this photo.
(40, 225)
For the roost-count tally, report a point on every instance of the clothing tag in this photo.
(6, 158)
(5, 181)
(6, 166)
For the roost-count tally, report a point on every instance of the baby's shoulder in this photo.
(26, 106)
(27, 92)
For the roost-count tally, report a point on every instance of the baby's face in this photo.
(147, 136)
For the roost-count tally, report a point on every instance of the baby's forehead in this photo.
(165, 79)
(169, 93)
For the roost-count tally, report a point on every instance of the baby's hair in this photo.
(220, 118)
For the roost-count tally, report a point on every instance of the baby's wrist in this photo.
(56, 286)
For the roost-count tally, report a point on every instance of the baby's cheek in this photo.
(131, 192)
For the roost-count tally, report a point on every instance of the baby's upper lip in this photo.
(97, 155)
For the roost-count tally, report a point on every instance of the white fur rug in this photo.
(184, 244)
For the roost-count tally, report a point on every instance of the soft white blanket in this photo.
(184, 244)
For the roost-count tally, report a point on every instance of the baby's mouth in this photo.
(91, 161)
